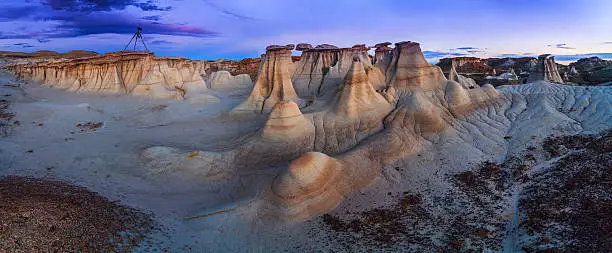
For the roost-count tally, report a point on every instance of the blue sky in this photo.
(211, 29)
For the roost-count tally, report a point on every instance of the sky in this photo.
(235, 29)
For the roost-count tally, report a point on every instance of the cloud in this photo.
(88, 6)
(22, 45)
(466, 48)
(470, 50)
(226, 11)
(607, 42)
(153, 18)
(43, 40)
(440, 54)
(8, 13)
(162, 42)
(510, 55)
(68, 19)
(564, 46)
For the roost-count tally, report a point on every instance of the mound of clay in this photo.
(286, 123)
(306, 188)
(545, 70)
(224, 81)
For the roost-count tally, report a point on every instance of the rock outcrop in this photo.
(342, 144)
(466, 82)
(408, 69)
(273, 83)
(322, 69)
(545, 70)
(138, 73)
(224, 81)
(249, 66)
(590, 71)
(381, 52)
(303, 47)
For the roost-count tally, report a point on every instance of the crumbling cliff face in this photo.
(545, 70)
(466, 65)
(138, 73)
(522, 64)
(321, 69)
(466, 82)
(249, 66)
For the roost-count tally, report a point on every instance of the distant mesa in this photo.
(46, 54)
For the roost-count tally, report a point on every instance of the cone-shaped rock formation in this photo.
(408, 69)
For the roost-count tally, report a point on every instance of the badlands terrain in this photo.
(335, 150)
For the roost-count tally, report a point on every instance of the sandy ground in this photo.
(95, 141)
(444, 198)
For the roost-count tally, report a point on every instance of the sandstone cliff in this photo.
(321, 69)
(138, 73)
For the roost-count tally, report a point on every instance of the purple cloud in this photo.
(74, 18)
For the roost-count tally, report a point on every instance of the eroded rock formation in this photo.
(322, 69)
(590, 71)
(362, 128)
(466, 82)
(224, 81)
(545, 70)
(273, 83)
(138, 73)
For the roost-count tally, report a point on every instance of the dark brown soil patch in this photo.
(568, 207)
(39, 215)
(89, 126)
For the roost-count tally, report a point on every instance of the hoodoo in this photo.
(322, 69)
(408, 69)
(545, 70)
(273, 83)
(381, 52)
